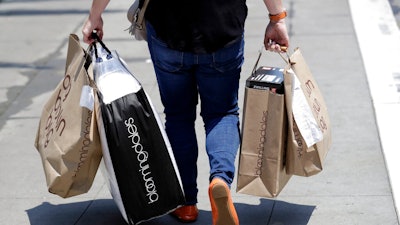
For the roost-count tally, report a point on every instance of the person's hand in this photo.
(92, 24)
(276, 36)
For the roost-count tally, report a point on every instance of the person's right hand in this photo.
(92, 24)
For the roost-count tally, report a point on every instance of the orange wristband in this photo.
(277, 17)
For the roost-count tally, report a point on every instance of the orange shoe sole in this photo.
(223, 210)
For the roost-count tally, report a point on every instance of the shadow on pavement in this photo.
(271, 211)
(93, 212)
(105, 212)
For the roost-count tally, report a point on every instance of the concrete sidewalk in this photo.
(353, 189)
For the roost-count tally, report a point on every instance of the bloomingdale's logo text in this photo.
(261, 142)
(142, 157)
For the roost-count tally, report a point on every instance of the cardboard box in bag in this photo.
(262, 154)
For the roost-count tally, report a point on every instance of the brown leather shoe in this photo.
(186, 213)
(222, 208)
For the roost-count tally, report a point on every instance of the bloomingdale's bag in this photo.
(143, 176)
(309, 128)
(262, 169)
(67, 137)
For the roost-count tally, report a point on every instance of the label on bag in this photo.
(303, 115)
(87, 97)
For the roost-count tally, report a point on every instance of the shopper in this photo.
(197, 51)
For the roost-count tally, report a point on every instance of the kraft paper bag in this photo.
(67, 137)
(309, 128)
(261, 170)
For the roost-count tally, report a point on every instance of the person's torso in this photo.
(199, 26)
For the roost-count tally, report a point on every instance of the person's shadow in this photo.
(274, 212)
(105, 212)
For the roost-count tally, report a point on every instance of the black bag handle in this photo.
(98, 40)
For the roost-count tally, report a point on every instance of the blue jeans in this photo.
(182, 78)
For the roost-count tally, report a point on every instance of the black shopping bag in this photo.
(144, 179)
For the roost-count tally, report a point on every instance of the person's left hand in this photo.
(276, 36)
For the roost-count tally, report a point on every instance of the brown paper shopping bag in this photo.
(67, 137)
(261, 169)
(309, 128)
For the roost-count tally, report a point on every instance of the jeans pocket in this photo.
(165, 58)
(229, 58)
